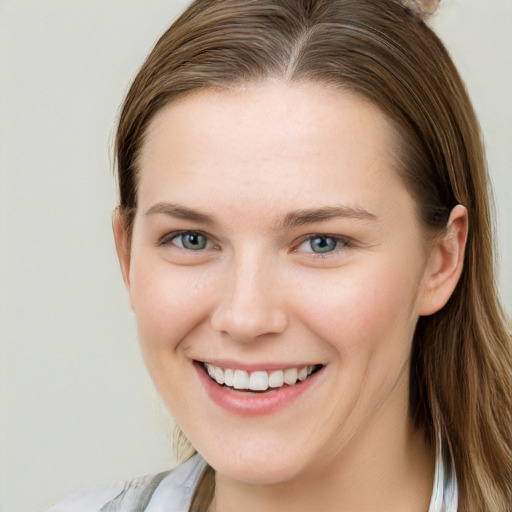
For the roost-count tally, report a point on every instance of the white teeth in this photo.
(258, 380)
(241, 379)
(276, 379)
(290, 376)
(219, 375)
(229, 375)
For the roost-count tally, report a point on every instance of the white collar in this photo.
(444, 491)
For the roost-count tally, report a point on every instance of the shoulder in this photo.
(170, 491)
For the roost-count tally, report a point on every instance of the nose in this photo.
(251, 302)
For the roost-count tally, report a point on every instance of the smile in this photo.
(246, 392)
(260, 380)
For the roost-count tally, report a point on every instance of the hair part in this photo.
(461, 366)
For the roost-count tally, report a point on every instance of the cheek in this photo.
(360, 311)
(168, 302)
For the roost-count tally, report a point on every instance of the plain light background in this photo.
(77, 408)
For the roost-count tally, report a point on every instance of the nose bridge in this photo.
(251, 302)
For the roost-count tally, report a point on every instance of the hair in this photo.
(461, 361)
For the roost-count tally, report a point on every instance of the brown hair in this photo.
(461, 368)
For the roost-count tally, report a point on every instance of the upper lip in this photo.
(253, 367)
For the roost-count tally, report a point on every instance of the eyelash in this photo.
(340, 242)
(170, 237)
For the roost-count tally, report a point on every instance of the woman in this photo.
(305, 236)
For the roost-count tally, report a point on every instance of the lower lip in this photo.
(244, 404)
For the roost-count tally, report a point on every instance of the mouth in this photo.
(259, 381)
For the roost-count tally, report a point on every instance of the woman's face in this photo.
(273, 239)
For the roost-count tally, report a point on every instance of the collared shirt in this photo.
(444, 492)
(172, 491)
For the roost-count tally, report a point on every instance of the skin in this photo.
(257, 294)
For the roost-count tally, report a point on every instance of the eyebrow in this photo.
(312, 215)
(180, 212)
(290, 220)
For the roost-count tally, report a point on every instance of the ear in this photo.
(122, 244)
(445, 262)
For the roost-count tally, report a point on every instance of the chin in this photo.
(265, 467)
(265, 475)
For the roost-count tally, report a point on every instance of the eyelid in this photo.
(168, 238)
(343, 240)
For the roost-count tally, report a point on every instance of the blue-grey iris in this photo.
(194, 241)
(323, 244)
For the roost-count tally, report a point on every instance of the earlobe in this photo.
(444, 266)
(122, 245)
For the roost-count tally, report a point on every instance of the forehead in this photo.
(269, 144)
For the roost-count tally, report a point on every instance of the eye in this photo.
(191, 241)
(322, 244)
(188, 240)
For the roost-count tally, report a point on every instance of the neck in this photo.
(385, 467)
